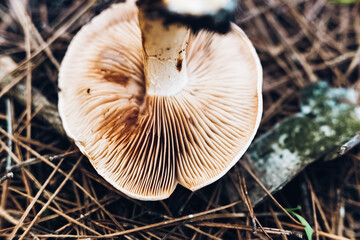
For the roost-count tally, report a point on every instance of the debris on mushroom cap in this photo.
(213, 15)
(142, 144)
(199, 7)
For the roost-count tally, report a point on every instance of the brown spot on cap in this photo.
(179, 63)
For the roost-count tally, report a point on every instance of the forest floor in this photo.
(54, 192)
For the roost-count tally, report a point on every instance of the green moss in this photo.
(329, 118)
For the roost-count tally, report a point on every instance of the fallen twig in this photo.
(48, 111)
(6, 177)
(9, 130)
(350, 144)
(32, 161)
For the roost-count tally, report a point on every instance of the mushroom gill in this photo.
(144, 144)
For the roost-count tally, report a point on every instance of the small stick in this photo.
(31, 161)
(48, 111)
(30, 206)
(269, 230)
(257, 180)
(9, 130)
(6, 177)
(350, 144)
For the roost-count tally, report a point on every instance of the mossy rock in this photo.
(328, 119)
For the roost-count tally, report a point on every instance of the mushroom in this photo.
(153, 105)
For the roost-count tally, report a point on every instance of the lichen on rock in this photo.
(328, 119)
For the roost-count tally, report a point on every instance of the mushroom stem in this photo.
(164, 56)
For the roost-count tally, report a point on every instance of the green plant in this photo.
(308, 228)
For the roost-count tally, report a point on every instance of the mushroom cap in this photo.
(144, 145)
